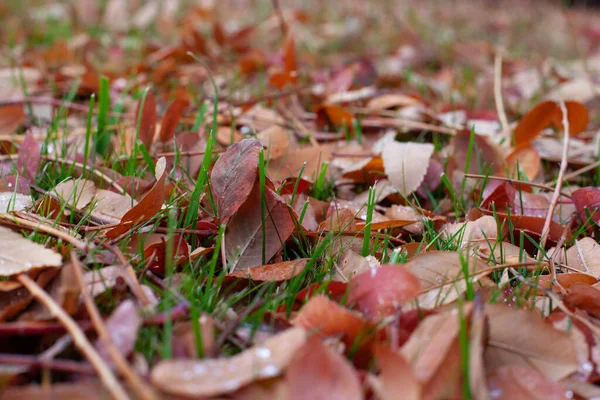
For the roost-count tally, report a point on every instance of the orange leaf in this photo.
(379, 292)
(397, 376)
(331, 319)
(272, 273)
(148, 119)
(318, 372)
(338, 115)
(171, 119)
(289, 58)
(148, 206)
(578, 117)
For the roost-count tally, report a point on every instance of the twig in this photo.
(498, 95)
(517, 181)
(142, 390)
(578, 172)
(51, 101)
(214, 350)
(37, 362)
(22, 223)
(106, 376)
(559, 182)
(282, 23)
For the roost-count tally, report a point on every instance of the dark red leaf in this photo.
(147, 123)
(171, 119)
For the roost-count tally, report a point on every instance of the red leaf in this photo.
(536, 120)
(219, 34)
(244, 236)
(380, 291)
(289, 58)
(585, 297)
(331, 319)
(148, 207)
(171, 119)
(587, 198)
(11, 117)
(156, 252)
(272, 273)
(397, 376)
(233, 177)
(148, 119)
(318, 372)
(549, 112)
(29, 158)
(518, 382)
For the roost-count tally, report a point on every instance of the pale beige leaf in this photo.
(350, 157)
(352, 263)
(406, 213)
(11, 201)
(483, 229)
(406, 164)
(442, 277)
(584, 256)
(116, 15)
(391, 100)
(19, 254)
(100, 280)
(276, 141)
(432, 341)
(109, 207)
(522, 337)
(77, 193)
(211, 377)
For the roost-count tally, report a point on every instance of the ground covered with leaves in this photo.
(270, 200)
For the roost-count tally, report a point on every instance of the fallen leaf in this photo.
(19, 254)
(331, 319)
(520, 336)
(484, 229)
(76, 193)
(275, 140)
(519, 382)
(233, 177)
(397, 376)
(244, 239)
(11, 118)
(212, 377)
(406, 164)
(171, 119)
(145, 119)
(148, 207)
(29, 158)
(442, 276)
(391, 100)
(318, 372)
(122, 325)
(381, 291)
(273, 272)
(11, 201)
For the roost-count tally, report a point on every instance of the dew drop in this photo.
(263, 352)
(269, 370)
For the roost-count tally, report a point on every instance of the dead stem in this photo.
(81, 342)
(142, 390)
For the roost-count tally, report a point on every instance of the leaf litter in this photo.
(206, 200)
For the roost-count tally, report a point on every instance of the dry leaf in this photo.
(272, 273)
(318, 372)
(19, 254)
(275, 140)
(211, 377)
(398, 380)
(483, 229)
(122, 325)
(584, 256)
(77, 193)
(406, 164)
(11, 201)
(516, 382)
(521, 337)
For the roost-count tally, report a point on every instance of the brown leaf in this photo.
(584, 256)
(211, 377)
(381, 291)
(318, 372)
(148, 207)
(406, 164)
(171, 119)
(442, 276)
(273, 272)
(233, 177)
(515, 382)
(76, 193)
(330, 319)
(549, 112)
(244, 235)
(19, 254)
(29, 158)
(122, 325)
(109, 207)
(275, 140)
(155, 251)
(585, 297)
(397, 376)
(147, 124)
(524, 158)
(11, 118)
(520, 336)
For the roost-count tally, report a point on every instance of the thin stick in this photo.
(37, 362)
(498, 94)
(282, 23)
(559, 182)
(517, 181)
(578, 172)
(142, 390)
(22, 223)
(51, 101)
(81, 342)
